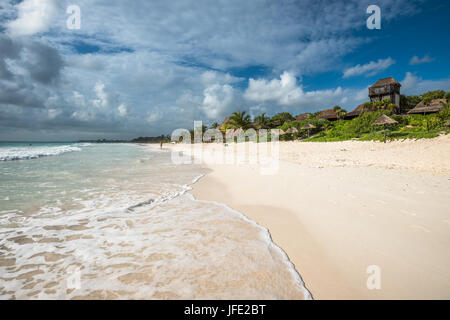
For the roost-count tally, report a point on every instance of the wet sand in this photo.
(338, 208)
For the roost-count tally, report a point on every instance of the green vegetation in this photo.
(239, 120)
(280, 118)
(414, 126)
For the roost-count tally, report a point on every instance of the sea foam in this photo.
(31, 152)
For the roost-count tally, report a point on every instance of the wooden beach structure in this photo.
(303, 116)
(384, 120)
(308, 127)
(387, 88)
(426, 108)
(357, 112)
(329, 114)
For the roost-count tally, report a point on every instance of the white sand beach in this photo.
(338, 208)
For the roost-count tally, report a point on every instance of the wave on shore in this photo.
(31, 152)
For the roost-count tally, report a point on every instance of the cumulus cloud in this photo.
(369, 69)
(217, 99)
(416, 60)
(102, 100)
(154, 116)
(415, 85)
(286, 92)
(123, 110)
(34, 16)
(171, 68)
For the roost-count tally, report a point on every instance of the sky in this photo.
(144, 68)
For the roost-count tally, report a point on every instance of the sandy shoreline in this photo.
(338, 208)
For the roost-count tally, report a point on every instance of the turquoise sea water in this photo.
(114, 221)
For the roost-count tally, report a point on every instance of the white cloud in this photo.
(123, 110)
(369, 69)
(416, 60)
(79, 99)
(283, 90)
(53, 113)
(157, 63)
(154, 116)
(415, 85)
(286, 92)
(34, 16)
(102, 100)
(361, 95)
(217, 99)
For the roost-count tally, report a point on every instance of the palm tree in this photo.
(262, 121)
(239, 120)
(215, 125)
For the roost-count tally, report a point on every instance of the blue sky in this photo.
(149, 67)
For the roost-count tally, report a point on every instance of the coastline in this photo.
(334, 219)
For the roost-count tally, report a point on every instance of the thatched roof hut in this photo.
(292, 130)
(387, 88)
(385, 82)
(303, 116)
(308, 126)
(357, 112)
(329, 114)
(384, 120)
(432, 107)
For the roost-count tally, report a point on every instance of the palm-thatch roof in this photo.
(329, 114)
(358, 111)
(434, 106)
(292, 130)
(308, 126)
(384, 119)
(447, 123)
(384, 82)
(303, 116)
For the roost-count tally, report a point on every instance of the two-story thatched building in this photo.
(387, 88)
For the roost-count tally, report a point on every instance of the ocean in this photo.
(116, 221)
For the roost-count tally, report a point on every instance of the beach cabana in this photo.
(308, 127)
(358, 111)
(303, 116)
(329, 115)
(292, 130)
(384, 120)
(426, 108)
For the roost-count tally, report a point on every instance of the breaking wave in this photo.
(31, 152)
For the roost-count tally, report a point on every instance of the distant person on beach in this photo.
(160, 144)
